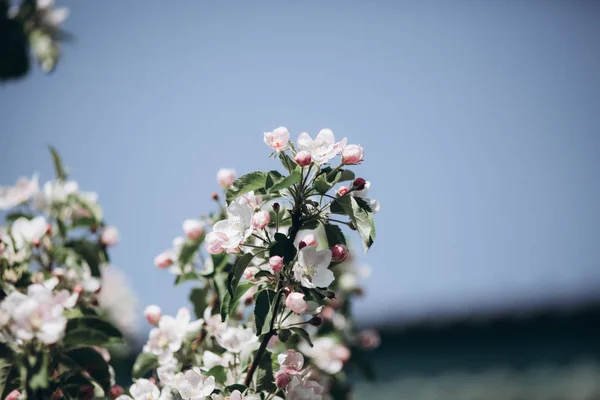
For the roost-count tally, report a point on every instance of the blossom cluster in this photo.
(57, 309)
(275, 282)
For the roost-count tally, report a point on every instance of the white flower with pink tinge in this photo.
(374, 204)
(225, 177)
(193, 385)
(312, 270)
(26, 231)
(304, 389)
(278, 139)
(230, 233)
(322, 149)
(168, 336)
(328, 355)
(235, 339)
(143, 389)
(291, 362)
(24, 189)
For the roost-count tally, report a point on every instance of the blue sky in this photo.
(480, 122)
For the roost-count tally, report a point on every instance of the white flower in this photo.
(143, 389)
(312, 270)
(278, 139)
(110, 236)
(304, 389)
(193, 228)
(326, 354)
(251, 199)
(51, 17)
(193, 385)
(39, 314)
(374, 204)
(235, 339)
(238, 225)
(323, 148)
(57, 192)
(24, 189)
(168, 336)
(26, 231)
(166, 372)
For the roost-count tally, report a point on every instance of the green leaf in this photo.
(292, 179)
(303, 334)
(246, 183)
(328, 178)
(312, 224)
(187, 276)
(89, 251)
(91, 331)
(59, 169)
(283, 247)
(186, 255)
(94, 209)
(219, 373)
(225, 306)
(37, 374)
(287, 162)
(263, 311)
(6, 364)
(90, 361)
(220, 261)
(346, 175)
(236, 273)
(358, 211)
(263, 274)
(264, 375)
(334, 235)
(239, 292)
(13, 216)
(198, 298)
(144, 363)
(236, 386)
(272, 178)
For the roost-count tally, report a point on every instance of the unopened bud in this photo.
(214, 196)
(116, 391)
(342, 191)
(303, 158)
(163, 260)
(359, 184)
(282, 379)
(276, 207)
(14, 395)
(276, 263)
(339, 253)
(153, 314)
(78, 289)
(261, 219)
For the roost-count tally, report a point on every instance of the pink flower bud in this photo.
(295, 302)
(341, 353)
(110, 236)
(359, 184)
(276, 207)
(163, 260)
(261, 219)
(215, 241)
(116, 391)
(303, 158)
(339, 253)
(14, 395)
(225, 177)
(282, 379)
(214, 196)
(276, 263)
(78, 289)
(192, 228)
(153, 314)
(278, 139)
(342, 191)
(369, 339)
(352, 154)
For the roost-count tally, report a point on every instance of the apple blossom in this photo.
(342, 190)
(303, 158)
(339, 253)
(291, 362)
(276, 263)
(225, 177)
(352, 154)
(29, 231)
(237, 227)
(295, 302)
(144, 389)
(193, 384)
(235, 339)
(14, 395)
(193, 228)
(322, 149)
(327, 354)
(359, 184)
(24, 189)
(168, 336)
(261, 219)
(215, 242)
(163, 260)
(153, 314)
(278, 139)
(304, 389)
(369, 339)
(110, 236)
(311, 270)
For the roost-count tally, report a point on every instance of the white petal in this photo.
(305, 142)
(323, 278)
